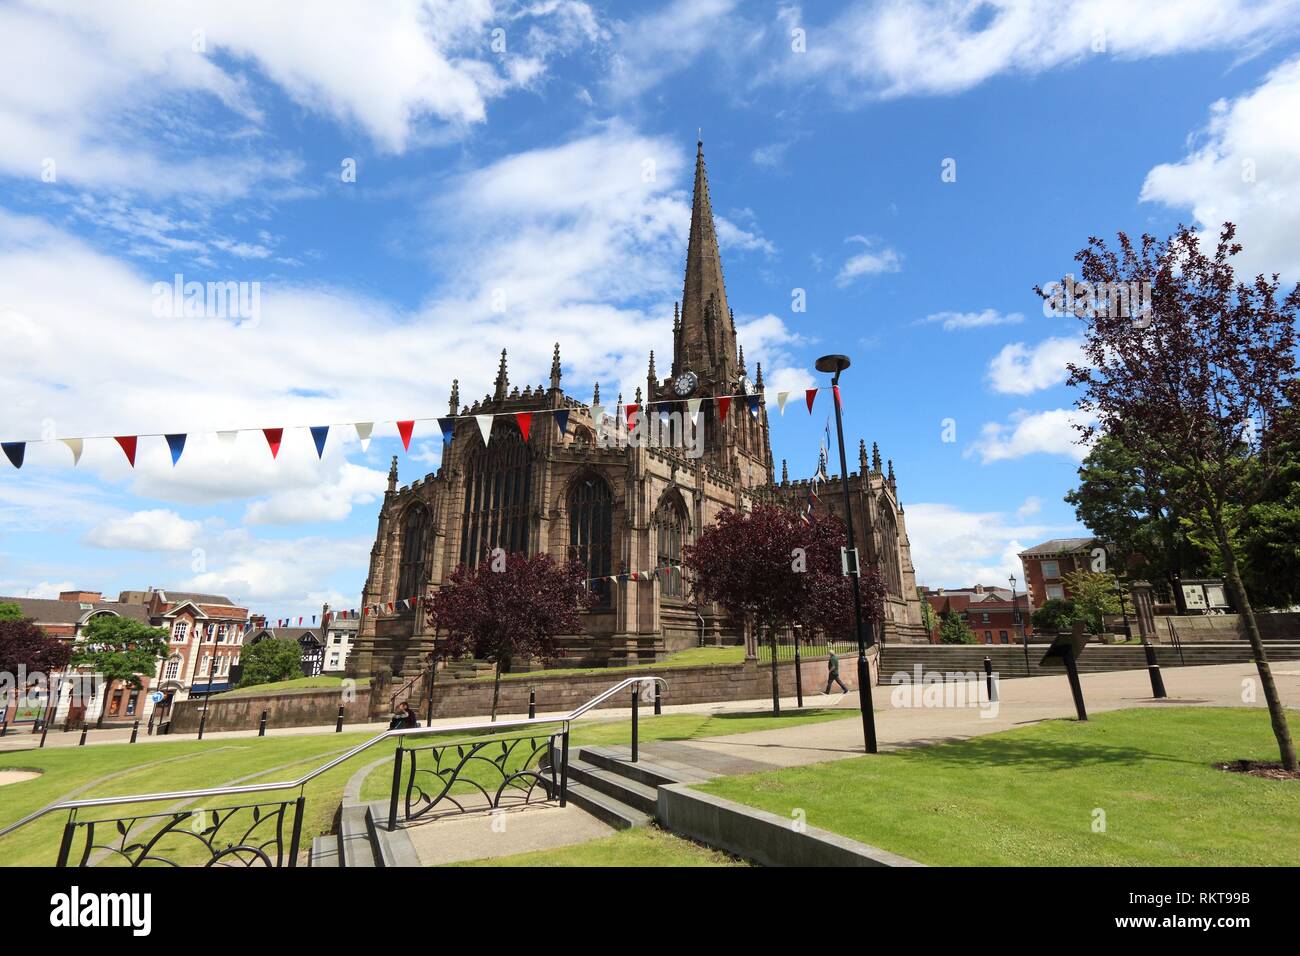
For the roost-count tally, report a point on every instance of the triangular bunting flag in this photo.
(810, 396)
(525, 422)
(448, 425)
(318, 434)
(781, 399)
(226, 440)
(127, 443)
(754, 401)
(630, 417)
(837, 396)
(562, 420)
(597, 413)
(177, 445)
(484, 427)
(693, 409)
(273, 438)
(724, 405)
(363, 433)
(76, 444)
(404, 429)
(15, 451)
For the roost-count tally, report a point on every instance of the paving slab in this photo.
(477, 836)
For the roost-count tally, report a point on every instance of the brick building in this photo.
(619, 507)
(1047, 565)
(989, 610)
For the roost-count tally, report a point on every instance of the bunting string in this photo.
(626, 413)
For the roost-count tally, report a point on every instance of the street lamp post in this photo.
(1016, 622)
(835, 364)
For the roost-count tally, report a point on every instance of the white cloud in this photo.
(88, 85)
(955, 548)
(955, 321)
(43, 590)
(1032, 505)
(896, 48)
(652, 47)
(320, 500)
(154, 530)
(1246, 170)
(1021, 369)
(871, 261)
(1050, 432)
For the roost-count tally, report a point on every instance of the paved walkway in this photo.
(902, 720)
(476, 836)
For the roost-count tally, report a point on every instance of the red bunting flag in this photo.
(724, 405)
(273, 438)
(630, 418)
(128, 446)
(525, 422)
(837, 397)
(810, 396)
(404, 429)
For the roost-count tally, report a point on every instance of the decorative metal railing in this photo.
(247, 836)
(478, 774)
(143, 848)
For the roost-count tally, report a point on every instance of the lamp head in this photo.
(833, 364)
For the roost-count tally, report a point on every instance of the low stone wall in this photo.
(298, 708)
(1213, 628)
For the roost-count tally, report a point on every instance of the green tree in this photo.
(1056, 614)
(1094, 594)
(928, 616)
(1124, 502)
(9, 611)
(119, 649)
(270, 661)
(953, 629)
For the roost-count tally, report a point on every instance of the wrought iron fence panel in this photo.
(247, 835)
(524, 765)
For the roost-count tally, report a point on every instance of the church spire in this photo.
(453, 403)
(707, 336)
(555, 367)
(392, 476)
(503, 380)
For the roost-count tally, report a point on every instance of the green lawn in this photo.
(115, 769)
(1033, 796)
(297, 683)
(642, 846)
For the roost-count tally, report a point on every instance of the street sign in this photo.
(156, 697)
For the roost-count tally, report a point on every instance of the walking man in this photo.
(833, 672)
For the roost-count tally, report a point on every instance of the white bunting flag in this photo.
(226, 440)
(484, 427)
(693, 409)
(75, 444)
(781, 399)
(597, 413)
(363, 432)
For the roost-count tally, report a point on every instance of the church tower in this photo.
(708, 363)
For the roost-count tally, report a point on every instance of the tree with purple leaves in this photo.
(509, 607)
(771, 569)
(1201, 382)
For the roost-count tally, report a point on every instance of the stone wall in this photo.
(1196, 628)
(299, 708)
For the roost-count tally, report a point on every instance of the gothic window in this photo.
(591, 530)
(498, 481)
(414, 568)
(887, 548)
(671, 536)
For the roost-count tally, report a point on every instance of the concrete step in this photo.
(605, 808)
(356, 848)
(392, 848)
(639, 796)
(324, 851)
(650, 773)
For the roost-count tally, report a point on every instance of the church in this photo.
(618, 506)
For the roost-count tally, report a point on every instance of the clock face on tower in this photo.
(686, 383)
(746, 386)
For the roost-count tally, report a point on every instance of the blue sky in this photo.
(522, 177)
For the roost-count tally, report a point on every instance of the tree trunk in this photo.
(1276, 712)
(776, 683)
(496, 692)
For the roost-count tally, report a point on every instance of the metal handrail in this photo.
(312, 775)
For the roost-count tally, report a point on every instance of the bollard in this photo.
(532, 702)
(338, 726)
(4, 726)
(659, 709)
(135, 731)
(988, 678)
(202, 722)
(261, 727)
(85, 729)
(148, 731)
